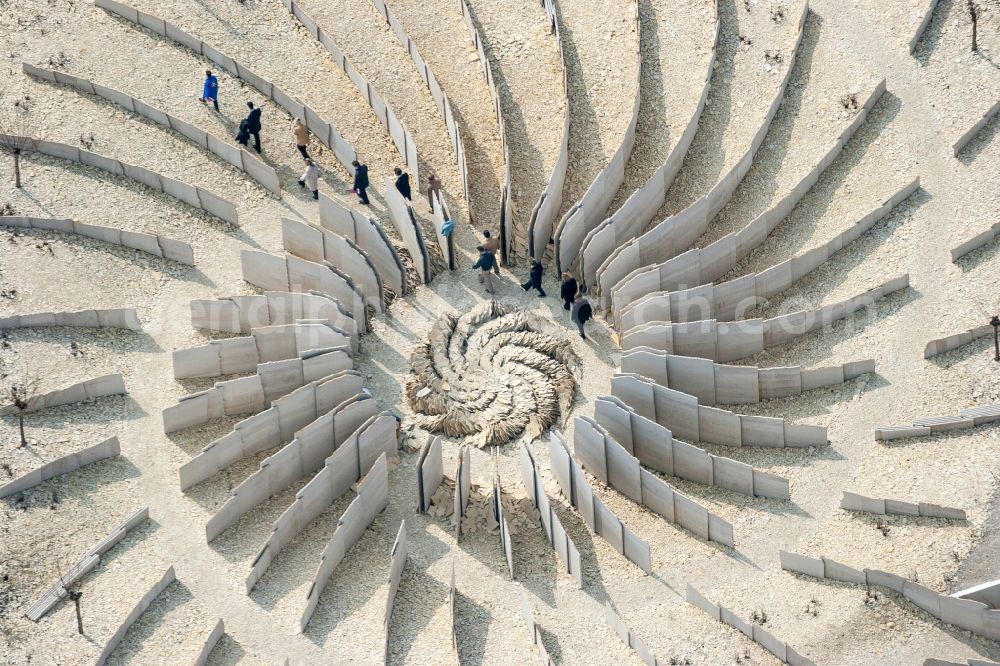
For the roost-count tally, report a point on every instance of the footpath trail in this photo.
(675, 43)
(443, 39)
(529, 78)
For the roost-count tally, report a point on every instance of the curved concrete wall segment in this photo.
(272, 427)
(323, 130)
(612, 464)
(369, 235)
(373, 497)
(512, 237)
(291, 274)
(968, 614)
(192, 195)
(242, 314)
(932, 425)
(582, 216)
(109, 448)
(717, 384)
(543, 216)
(598, 517)
(730, 341)
(675, 234)
(729, 300)
(785, 653)
(319, 245)
(441, 100)
(560, 541)
(99, 387)
(231, 154)
(685, 417)
(704, 265)
(635, 214)
(135, 614)
(655, 447)
(157, 246)
(85, 564)
(123, 318)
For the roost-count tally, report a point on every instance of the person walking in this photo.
(360, 181)
(301, 133)
(485, 264)
(253, 126)
(210, 89)
(243, 135)
(493, 245)
(310, 179)
(403, 183)
(568, 290)
(535, 278)
(581, 312)
(433, 187)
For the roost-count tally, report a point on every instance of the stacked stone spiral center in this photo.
(491, 374)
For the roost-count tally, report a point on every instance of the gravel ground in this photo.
(812, 115)
(743, 85)
(601, 49)
(933, 96)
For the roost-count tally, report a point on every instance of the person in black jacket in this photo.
(243, 135)
(485, 264)
(581, 312)
(403, 183)
(568, 290)
(535, 278)
(253, 125)
(360, 181)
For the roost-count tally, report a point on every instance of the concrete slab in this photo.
(936, 511)
(927, 599)
(885, 579)
(809, 566)
(695, 598)
(855, 502)
(901, 508)
(837, 571)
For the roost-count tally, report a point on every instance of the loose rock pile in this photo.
(479, 517)
(491, 375)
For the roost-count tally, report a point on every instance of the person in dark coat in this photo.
(360, 181)
(253, 125)
(243, 135)
(485, 264)
(568, 290)
(581, 312)
(403, 183)
(210, 89)
(535, 278)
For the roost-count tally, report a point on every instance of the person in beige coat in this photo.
(433, 185)
(301, 138)
(310, 178)
(492, 244)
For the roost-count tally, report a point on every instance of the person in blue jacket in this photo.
(210, 90)
(485, 265)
